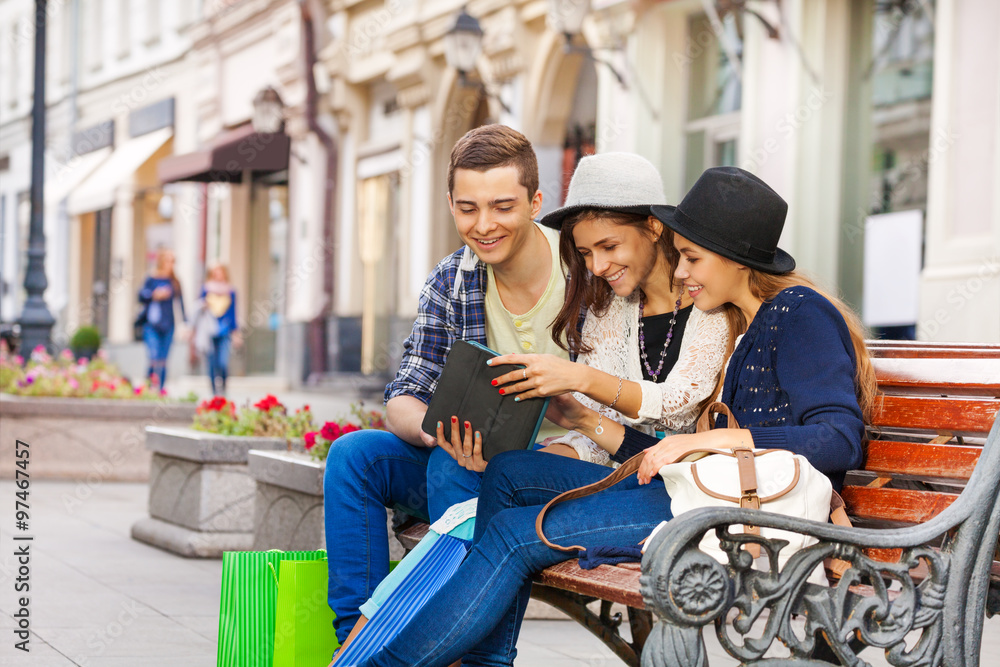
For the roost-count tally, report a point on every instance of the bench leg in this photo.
(675, 646)
(604, 626)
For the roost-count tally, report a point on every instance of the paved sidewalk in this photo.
(100, 599)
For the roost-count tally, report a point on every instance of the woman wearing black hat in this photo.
(799, 379)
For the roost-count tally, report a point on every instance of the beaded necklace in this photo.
(642, 340)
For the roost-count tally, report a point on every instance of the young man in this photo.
(502, 289)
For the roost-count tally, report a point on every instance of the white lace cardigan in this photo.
(671, 405)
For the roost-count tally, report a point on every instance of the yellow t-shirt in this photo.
(528, 333)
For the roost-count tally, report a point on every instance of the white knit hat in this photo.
(611, 181)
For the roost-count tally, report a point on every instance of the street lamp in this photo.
(462, 45)
(566, 16)
(268, 112)
(36, 321)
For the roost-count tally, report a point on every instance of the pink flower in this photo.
(138, 390)
(73, 383)
(66, 354)
(310, 439)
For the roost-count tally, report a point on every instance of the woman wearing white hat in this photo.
(647, 356)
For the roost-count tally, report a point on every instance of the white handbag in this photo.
(773, 480)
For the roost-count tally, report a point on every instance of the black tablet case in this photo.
(465, 390)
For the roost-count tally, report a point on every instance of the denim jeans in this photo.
(476, 616)
(367, 472)
(218, 363)
(158, 347)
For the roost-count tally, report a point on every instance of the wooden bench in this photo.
(940, 401)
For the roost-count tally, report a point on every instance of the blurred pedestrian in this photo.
(215, 325)
(158, 295)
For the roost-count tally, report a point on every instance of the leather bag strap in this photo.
(628, 468)
(705, 421)
(838, 516)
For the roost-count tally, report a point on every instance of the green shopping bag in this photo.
(248, 604)
(303, 627)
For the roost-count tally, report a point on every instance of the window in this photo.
(152, 33)
(93, 38)
(13, 68)
(124, 28)
(714, 95)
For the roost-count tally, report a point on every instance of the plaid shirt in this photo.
(446, 312)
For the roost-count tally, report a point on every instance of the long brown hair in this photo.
(161, 260)
(583, 288)
(766, 286)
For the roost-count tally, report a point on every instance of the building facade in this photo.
(847, 108)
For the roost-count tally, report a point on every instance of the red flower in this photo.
(216, 404)
(268, 402)
(305, 408)
(330, 431)
(310, 439)
(349, 428)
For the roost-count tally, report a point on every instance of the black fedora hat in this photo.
(734, 214)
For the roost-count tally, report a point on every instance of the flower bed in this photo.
(317, 443)
(202, 495)
(64, 376)
(267, 418)
(82, 419)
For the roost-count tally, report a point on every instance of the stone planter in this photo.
(288, 507)
(84, 439)
(201, 495)
(288, 511)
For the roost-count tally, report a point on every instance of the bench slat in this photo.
(930, 413)
(953, 377)
(607, 582)
(899, 349)
(908, 458)
(900, 505)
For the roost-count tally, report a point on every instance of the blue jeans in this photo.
(476, 616)
(158, 346)
(367, 472)
(218, 363)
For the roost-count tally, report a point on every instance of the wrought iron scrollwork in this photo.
(689, 589)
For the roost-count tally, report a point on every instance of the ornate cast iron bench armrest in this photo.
(688, 589)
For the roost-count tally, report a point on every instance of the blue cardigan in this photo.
(164, 320)
(790, 381)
